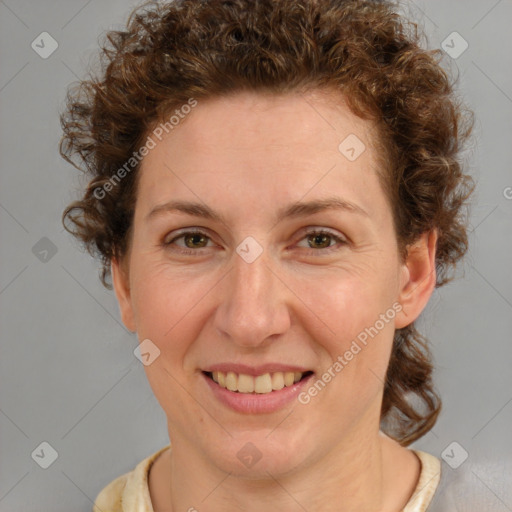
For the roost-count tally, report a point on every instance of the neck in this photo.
(370, 473)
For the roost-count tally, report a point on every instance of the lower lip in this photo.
(257, 403)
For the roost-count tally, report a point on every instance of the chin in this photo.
(257, 454)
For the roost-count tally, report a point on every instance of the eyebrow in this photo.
(294, 210)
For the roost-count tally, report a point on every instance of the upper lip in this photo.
(254, 370)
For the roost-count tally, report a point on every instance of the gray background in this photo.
(68, 373)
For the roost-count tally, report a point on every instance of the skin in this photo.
(246, 156)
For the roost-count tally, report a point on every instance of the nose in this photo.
(253, 308)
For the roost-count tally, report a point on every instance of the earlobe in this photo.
(418, 278)
(121, 285)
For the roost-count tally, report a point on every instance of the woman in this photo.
(275, 189)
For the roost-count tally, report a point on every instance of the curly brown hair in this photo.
(172, 52)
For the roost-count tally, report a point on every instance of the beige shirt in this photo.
(130, 492)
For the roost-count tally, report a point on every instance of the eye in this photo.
(320, 241)
(193, 240)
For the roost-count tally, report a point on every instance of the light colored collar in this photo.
(136, 497)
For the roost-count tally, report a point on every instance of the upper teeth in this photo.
(261, 384)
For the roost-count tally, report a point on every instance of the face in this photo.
(252, 290)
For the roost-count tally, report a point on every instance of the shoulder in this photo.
(473, 485)
(428, 482)
(462, 485)
(110, 497)
(130, 491)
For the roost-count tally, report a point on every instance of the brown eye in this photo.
(320, 241)
(193, 242)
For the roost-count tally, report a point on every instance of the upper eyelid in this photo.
(328, 231)
(187, 231)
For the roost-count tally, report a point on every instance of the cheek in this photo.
(168, 309)
(354, 326)
(345, 301)
(169, 306)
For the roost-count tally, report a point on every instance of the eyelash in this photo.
(310, 232)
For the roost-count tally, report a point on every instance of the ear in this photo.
(418, 278)
(121, 283)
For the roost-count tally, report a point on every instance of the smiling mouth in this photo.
(261, 384)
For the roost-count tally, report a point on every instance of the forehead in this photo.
(248, 120)
(251, 145)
